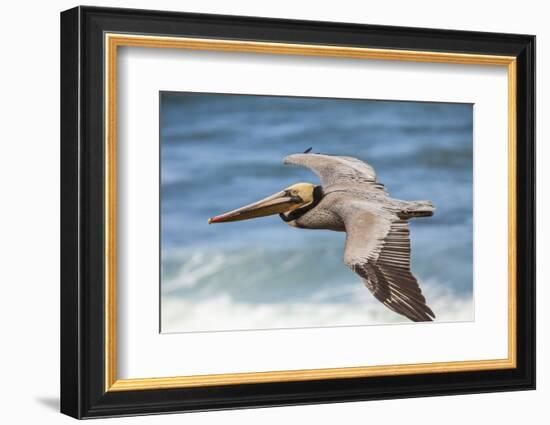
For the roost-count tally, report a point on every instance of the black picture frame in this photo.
(83, 392)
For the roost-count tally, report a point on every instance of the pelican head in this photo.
(293, 197)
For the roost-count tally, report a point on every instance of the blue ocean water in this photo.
(220, 151)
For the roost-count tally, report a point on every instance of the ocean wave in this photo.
(260, 288)
(198, 266)
(254, 272)
(222, 313)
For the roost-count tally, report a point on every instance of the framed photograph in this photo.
(261, 212)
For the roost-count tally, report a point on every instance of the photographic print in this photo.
(292, 212)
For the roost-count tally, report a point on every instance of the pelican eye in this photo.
(294, 197)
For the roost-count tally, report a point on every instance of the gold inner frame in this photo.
(113, 41)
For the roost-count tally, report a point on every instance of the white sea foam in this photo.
(221, 312)
(270, 288)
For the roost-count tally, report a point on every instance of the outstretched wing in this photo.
(336, 171)
(378, 249)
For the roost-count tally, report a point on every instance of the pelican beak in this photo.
(274, 204)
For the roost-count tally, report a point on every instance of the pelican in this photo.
(351, 200)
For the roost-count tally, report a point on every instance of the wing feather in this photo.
(378, 250)
(334, 171)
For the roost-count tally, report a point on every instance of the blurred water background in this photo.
(219, 152)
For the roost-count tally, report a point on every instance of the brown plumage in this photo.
(378, 245)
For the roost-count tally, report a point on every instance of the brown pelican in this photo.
(351, 200)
